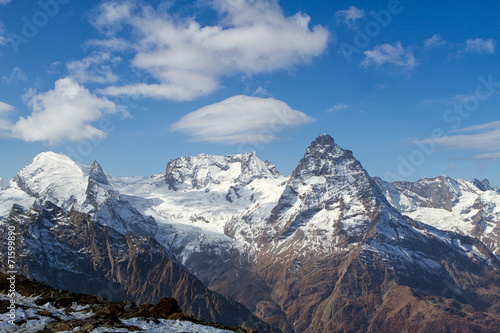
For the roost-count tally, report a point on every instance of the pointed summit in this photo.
(97, 174)
(483, 185)
(325, 158)
(323, 140)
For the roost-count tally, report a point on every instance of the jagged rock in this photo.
(165, 307)
(57, 327)
(109, 313)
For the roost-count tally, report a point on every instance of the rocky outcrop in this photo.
(90, 312)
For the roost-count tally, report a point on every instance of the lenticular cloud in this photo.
(240, 119)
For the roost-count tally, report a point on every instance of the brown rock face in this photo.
(335, 256)
(70, 251)
(165, 307)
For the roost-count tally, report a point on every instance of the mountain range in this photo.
(327, 249)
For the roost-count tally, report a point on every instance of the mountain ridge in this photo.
(309, 252)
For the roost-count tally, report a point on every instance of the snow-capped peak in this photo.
(324, 158)
(483, 185)
(97, 174)
(204, 171)
(53, 177)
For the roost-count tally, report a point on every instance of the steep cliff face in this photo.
(69, 250)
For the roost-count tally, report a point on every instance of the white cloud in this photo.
(339, 107)
(349, 16)
(240, 119)
(434, 42)
(187, 59)
(95, 68)
(480, 46)
(4, 2)
(399, 59)
(485, 137)
(65, 113)
(4, 107)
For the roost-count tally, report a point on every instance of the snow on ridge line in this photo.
(28, 310)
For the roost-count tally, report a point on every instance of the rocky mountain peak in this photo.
(483, 185)
(322, 141)
(97, 174)
(325, 158)
(204, 171)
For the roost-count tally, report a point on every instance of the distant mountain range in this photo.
(326, 249)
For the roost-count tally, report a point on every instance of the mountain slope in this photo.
(333, 243)
(68, 250)
(325, 249)
(466, 207)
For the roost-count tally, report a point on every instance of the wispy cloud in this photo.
(188, 59)
(3, 40)
(487, 126)
(4, 123)
(479, 46)
(97, 68)
(434, 42)
(339, 107)
(240, 119)
(4, 2)
(400, 60)
(261, 91)
(16, 76)
(64, 113)
(483, 137)
(486, 156)
(4, 108)
(349, 16)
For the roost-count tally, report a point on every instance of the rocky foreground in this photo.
(40, 308)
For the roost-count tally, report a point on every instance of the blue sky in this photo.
(412, 87)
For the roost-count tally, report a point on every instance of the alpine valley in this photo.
(326, 249)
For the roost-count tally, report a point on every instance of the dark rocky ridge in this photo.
(107, 314)
(69, 250)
